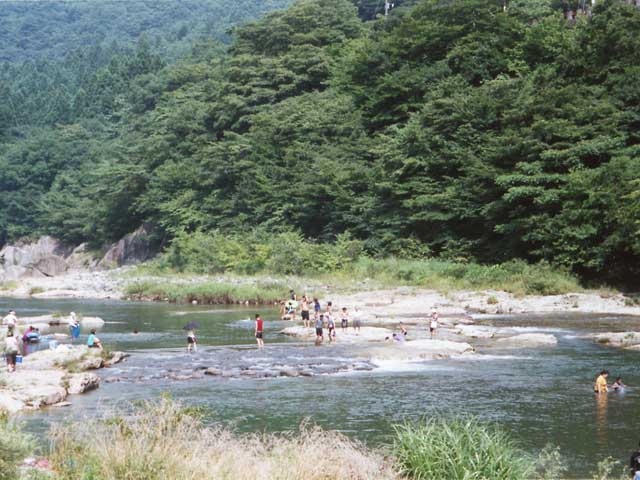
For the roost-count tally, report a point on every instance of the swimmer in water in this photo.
(618, 386)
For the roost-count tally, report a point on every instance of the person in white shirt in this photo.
(11, 351)
(10, 320)
(433, 324)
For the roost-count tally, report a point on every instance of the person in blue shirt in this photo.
(93, 341)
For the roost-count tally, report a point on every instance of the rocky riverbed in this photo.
(47, 377)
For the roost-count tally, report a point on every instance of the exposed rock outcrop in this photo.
(46, 257)
(133, 248)
(47, 377)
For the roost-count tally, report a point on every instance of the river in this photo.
(539, 396)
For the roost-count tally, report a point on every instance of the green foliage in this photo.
(284, 253)
(459, 449)
(454, 129)
(15, 445)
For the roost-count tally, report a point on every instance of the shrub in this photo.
(14, 447)
(460, 449)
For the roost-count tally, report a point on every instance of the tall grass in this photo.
(209, 293)
(516, 277)
(14, 447)
(161, 441)
(459, 449)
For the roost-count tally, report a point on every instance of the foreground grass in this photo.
(459, 449)
(162, 441)
(158, 440)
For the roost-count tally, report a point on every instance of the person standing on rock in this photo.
(433, 325)
(10, 320)
(11, 351)
(74, 326)
(357, 320)
(259, 331)
(304, 312)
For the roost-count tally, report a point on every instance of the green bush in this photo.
(459, 449)
(15, 446)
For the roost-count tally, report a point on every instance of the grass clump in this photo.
(161, 440)
(459, 449)
(208, 293)
(14, 447)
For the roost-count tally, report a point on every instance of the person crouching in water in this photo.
(601, 382)
(259, 331)
(192, 343)
(93, 341)
(319, 332)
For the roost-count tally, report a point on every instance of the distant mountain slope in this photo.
(50, 29)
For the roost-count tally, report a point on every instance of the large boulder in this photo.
(82, 382)
(528, 340)
(133, 248)
(45, 257)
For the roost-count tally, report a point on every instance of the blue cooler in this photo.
(18, 358)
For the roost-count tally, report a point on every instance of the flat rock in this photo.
(417, 350)
(475, 331)
(349, 335)
(628, 340)
(528, 340)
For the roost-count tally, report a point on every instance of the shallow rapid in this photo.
(540, 396)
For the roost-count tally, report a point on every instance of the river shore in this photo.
(383, 304)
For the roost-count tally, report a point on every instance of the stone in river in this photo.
(528, 340)
(82, 382)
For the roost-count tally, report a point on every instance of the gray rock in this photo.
(51, 265)
(133, 248)
(213, 371)
(82, 382)
(91, 363)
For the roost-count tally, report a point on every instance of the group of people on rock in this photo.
(15, 342)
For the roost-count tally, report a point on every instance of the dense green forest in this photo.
(458, 129)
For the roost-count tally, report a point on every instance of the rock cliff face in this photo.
(46, 257)
(49, 257)
(133, 248)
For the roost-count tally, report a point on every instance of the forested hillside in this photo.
(51, 29)
(450, 128)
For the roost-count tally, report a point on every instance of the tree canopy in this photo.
(452, 128)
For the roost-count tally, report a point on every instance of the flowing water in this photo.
(539, 395)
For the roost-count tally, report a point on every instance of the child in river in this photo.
(192, 343)
(618, 386)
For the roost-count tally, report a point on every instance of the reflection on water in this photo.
(602, 400)
(539, 396)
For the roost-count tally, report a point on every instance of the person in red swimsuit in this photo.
(259, 331)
